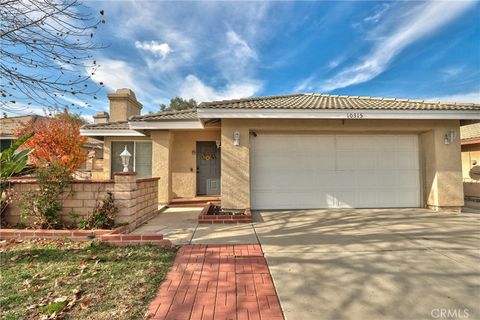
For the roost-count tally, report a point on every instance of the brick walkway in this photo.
(217, 282)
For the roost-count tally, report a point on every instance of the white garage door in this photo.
(334, 171)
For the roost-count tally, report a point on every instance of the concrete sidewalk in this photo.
(180, 226)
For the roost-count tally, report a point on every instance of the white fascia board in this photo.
(110, 133)
(339, 114)
(164, 125)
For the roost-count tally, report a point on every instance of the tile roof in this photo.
(181, 115)
(9, 124)
(325, 101)
(471, 131)
(118, 125)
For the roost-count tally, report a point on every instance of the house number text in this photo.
(354, 115)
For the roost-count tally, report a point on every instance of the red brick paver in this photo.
(217, 282)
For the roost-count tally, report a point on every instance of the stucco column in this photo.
(162, 142)
(235, 175)
(443, 169)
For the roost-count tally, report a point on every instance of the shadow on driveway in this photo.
(373, 264)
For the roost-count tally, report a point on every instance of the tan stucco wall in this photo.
(184, 162)
(174, 160)
(441, 175)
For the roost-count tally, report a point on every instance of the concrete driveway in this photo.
(373, 264)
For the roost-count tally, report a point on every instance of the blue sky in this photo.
(222, 50)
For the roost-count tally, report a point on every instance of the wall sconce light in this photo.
(450, 136)
(236, 138)
(218, 143)
(125, 155)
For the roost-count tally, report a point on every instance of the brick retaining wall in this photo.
(205, 218)
(115, 237)
(135, 198)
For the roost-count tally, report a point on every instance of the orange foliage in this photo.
(56, 140)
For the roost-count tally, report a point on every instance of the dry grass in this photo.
(61, 279)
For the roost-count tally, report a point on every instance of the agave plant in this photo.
(12, 163)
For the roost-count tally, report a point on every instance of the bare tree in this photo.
(46, 53)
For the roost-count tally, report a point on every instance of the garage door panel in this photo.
(327, 171)
(407, 160)
(364, 143)
(407, 178)
(345, 198)
(406, 142)
(345, 142)
(365, 160)
(386, 160)
(386, 179)
(345, 160)
(384, 142)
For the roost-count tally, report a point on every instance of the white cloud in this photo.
(394, 36)
(452, 71)
(214, 41)
(242, 49)
(467, 97)
(161, 50)
(196, 89)
(377, 15)
(116, 74)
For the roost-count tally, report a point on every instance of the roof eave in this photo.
(110, 133)
(208, 113)
(165, 125)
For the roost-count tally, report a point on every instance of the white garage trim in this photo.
(290, 171)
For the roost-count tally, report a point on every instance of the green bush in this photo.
(12, 163)
(43, 205)
(102, 216)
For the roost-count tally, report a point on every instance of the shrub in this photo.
(43, 205)
(12, 163)
(102, 216)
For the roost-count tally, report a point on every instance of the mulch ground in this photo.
(217, 282)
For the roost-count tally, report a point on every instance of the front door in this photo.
(208, 168)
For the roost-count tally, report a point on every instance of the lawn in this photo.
(61, 279)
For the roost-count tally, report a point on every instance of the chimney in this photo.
(101, 117)
(123, 105)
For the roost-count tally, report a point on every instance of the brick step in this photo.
(193, 202)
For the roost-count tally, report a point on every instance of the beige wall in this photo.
(136, 199)
(174, 160)
(441, 164)
(184, 161)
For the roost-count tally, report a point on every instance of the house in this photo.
(93, 148)
(8, 125)
(470, 140)
(294, 151)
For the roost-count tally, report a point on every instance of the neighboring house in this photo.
(470, 139)
(93, 148)
(8, 125)
(294, 151)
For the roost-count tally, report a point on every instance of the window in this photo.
(5, 144)
(141, 161)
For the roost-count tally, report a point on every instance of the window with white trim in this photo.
(141, 160)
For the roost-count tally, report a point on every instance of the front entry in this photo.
(208, 168)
